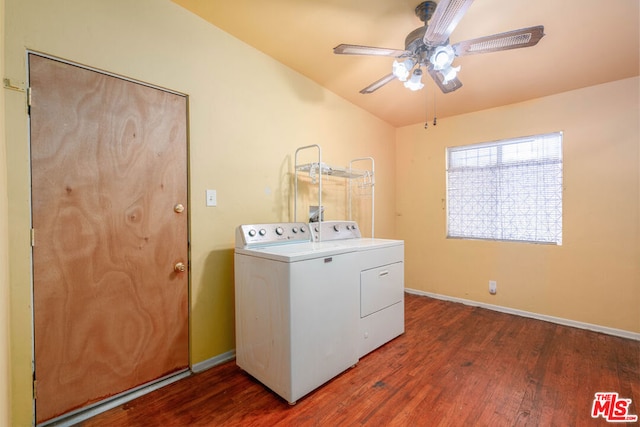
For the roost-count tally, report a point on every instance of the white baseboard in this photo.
(214, 361)
(560, 321)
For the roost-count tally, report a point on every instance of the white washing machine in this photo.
(307, 310)
(296, 327)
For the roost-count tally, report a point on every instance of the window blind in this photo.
(506, 190)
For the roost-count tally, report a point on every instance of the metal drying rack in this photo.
(316, 170)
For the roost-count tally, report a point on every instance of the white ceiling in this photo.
(587, 42)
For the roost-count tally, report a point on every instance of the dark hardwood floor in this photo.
(455, 366)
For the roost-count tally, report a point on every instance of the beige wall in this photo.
(594, 277)
(247, 115)
(5, 407)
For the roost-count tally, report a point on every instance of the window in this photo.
(506, 190)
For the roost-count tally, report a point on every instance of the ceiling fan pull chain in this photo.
(435, 113)
(426, 112)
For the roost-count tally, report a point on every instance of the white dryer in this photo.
(380, 266)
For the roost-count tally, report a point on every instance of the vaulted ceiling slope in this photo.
(586, 42)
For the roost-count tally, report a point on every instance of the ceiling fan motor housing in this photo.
(414, 42)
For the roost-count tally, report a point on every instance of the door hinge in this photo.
(33, 237)
(29, 91)
(35, 389)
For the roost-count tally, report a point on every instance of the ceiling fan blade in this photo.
(523, 37)
(353, 49)
(450, 86)
(378, 84)
(444, 20)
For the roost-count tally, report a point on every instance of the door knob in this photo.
(179, 208)
(179, 267)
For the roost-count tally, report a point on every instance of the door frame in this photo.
(78, 415)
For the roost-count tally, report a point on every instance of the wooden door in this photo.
(109, 167)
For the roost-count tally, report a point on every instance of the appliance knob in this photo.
(252, 232)
(294, 229)
(336, 228)
(316, 228)
(279, 231)
(262, 232)
(303, 230)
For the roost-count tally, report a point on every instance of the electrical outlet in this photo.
(493, 287)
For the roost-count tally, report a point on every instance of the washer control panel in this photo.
(334, 230)
(252, 235)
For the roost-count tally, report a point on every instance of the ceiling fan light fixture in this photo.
(450, 73)
(442, 57)
(402, 69)
(415, 82)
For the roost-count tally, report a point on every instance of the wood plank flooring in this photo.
(455, 366)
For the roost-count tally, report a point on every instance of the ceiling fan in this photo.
(428, 47)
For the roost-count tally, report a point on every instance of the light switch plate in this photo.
(212, 198)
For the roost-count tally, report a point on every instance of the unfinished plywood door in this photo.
(109, 195)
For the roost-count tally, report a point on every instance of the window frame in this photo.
(501, 168)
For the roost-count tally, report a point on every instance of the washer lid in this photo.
(297, 252)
